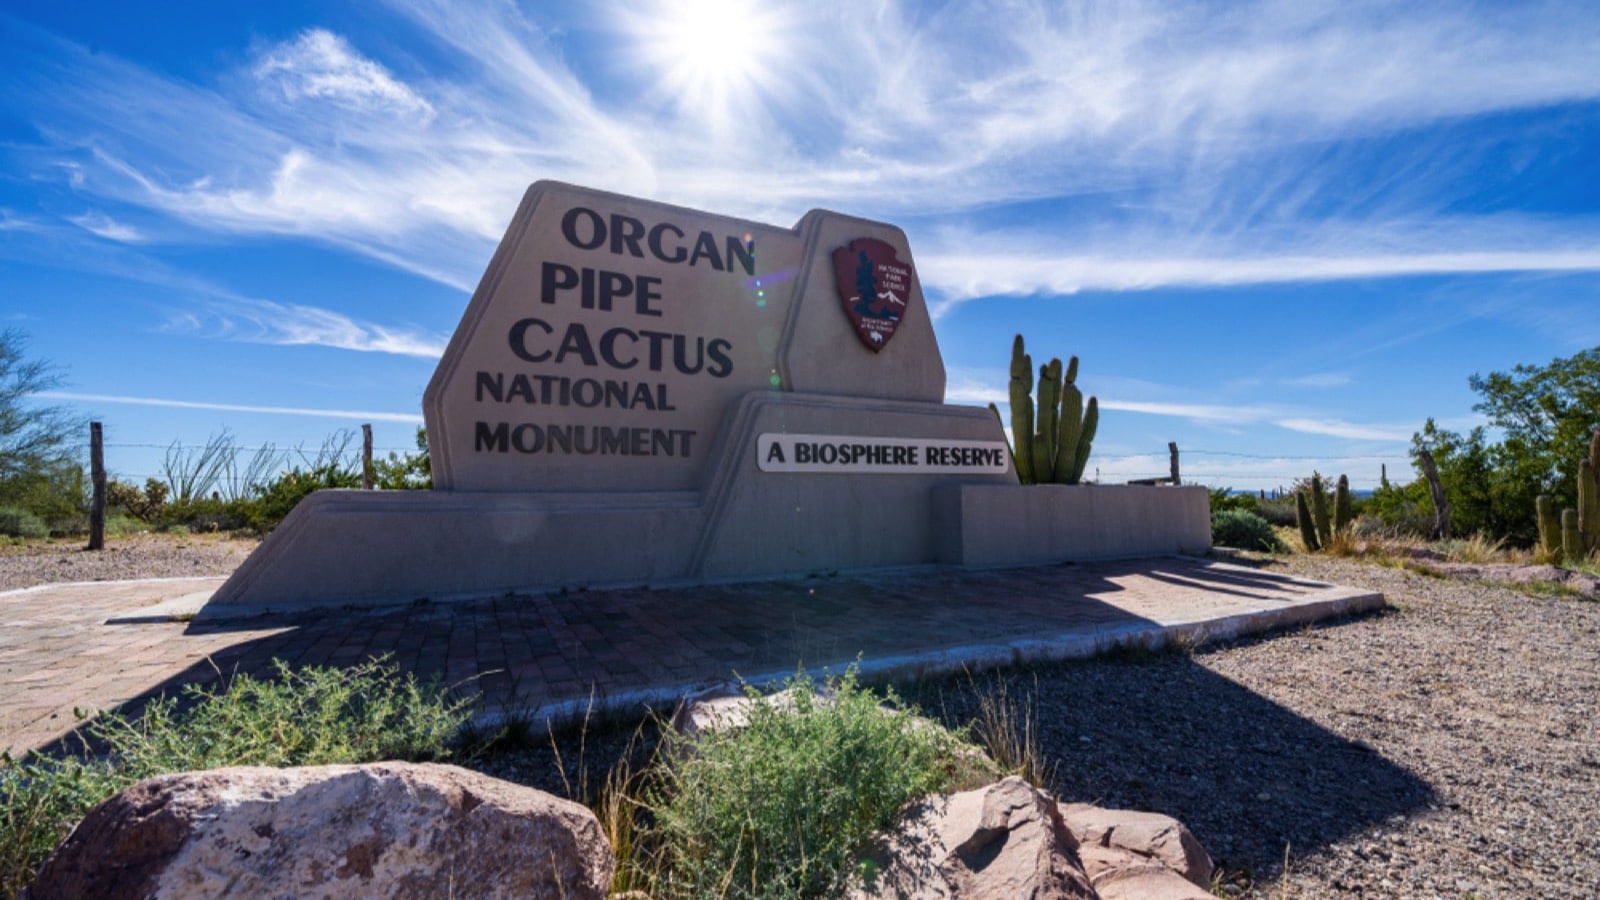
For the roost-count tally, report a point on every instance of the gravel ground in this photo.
(133, 556)
(1447, 747)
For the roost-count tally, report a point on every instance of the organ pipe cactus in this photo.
(1583, 538)
(1308, 528)
(1317, 527)
(1343, 509)
(1319, 510)
(1549, 527)
(1571, 536)
(1051, 442)
(1588, 506)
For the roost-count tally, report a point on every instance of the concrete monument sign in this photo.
(639, 392)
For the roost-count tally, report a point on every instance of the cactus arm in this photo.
(1302, 517)
(1549, 527)
(1343, 508)
(1070, 430)
(1022, 411)
(1571, 537)
(1091, 423)
(1044, 462)
(1319, 511)
(1010, 454)
(1588, 507)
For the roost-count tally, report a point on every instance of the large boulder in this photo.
(1005, 841)
(1138, 855)
(396, 830)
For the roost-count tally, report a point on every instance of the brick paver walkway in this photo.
(551, 652)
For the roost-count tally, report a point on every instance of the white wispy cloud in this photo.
(959, 276)
(321, 65)
(101, 225)
(347, 414)
(290, 324)
(1215, 413)
(1347, 430)
(201, 307)
(1185, 136)
(1319, 380)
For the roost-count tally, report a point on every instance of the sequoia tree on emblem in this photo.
(874, 286)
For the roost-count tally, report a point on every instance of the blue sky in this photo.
(1281, 235)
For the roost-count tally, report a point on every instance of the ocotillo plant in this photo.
(1050, 444)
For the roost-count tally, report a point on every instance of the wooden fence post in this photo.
(1172, 450)
(366, 457)
(97, 476)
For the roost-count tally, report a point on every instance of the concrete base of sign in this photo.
(341, 547)
(1016, 525)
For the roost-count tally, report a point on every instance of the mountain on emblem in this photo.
(874, 286)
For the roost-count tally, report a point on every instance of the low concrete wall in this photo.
(341, 547)
(1015, 525)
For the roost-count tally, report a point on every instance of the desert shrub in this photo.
(1225, 498)
(778, 808)
(202, 514)
(17, 522)
(265, 511)
(306, 717)
(41, 799)
(310, 716)
(1244, 530)
(1277, 511)
(411, 472)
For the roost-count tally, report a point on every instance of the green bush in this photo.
(15, 522)
(1244, 530)
(1225, 498)
(780, 807)
(306, 717)
(264, 512)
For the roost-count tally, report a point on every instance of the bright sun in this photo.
(714, 56)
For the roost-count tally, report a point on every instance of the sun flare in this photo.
(713, 56)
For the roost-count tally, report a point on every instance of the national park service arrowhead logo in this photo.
(874, 286)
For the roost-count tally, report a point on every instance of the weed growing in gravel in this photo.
(779, 807)
(1009, 733)
(311, 716)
